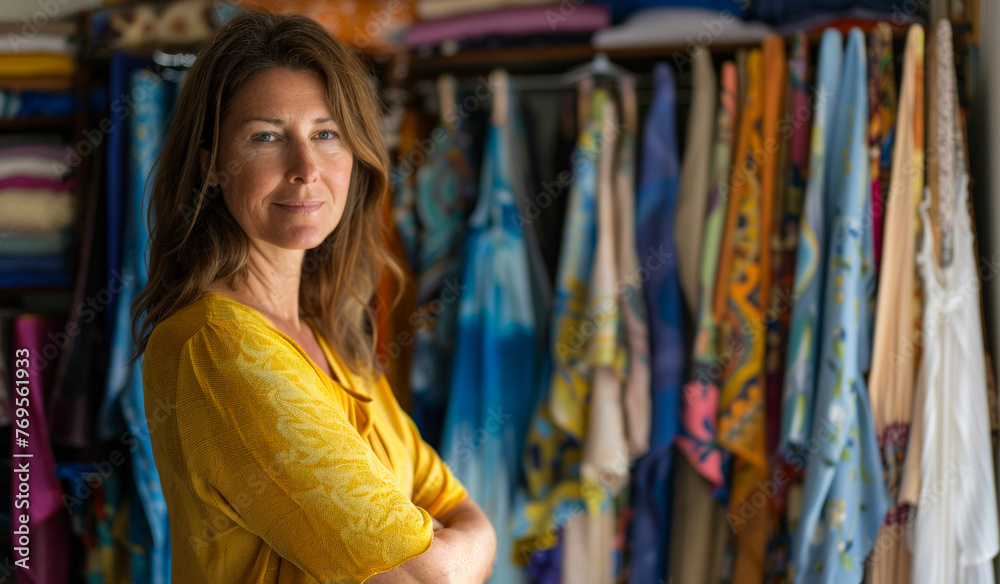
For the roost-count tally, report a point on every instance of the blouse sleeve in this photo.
(435, 488)
(273, 450)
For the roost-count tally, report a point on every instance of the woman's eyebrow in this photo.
(277, 122)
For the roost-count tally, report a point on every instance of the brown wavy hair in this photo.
(195, 241)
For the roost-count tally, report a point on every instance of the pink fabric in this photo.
(521, 21)
(53, 151)
(702, 402)
(33, 182)
(48, 524)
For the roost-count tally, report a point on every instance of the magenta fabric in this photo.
(701, 403)
(33, 182)
(520, 21)
(48, 525)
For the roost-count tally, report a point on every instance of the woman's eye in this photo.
(262, 138)
(328, 135)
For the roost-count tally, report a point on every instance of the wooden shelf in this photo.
(527, 59)
(514, 59)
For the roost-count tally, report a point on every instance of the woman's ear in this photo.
(211, 177)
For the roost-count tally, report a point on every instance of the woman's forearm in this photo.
(476, 539)
(462, 552)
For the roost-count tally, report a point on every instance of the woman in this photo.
(287, 458)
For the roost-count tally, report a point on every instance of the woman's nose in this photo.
(302, 167)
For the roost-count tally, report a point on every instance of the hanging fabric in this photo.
(803, 343)
(781, 227)
(399, 217)
(110, 425)
(554, 447)
(795, 126)
(955, 532)
(655, 207)
(700, 398)
(739, 263)
(604, 469)
(844, 497)
(494, 376)
(444, 183)
(634, 316)
(150, 527)
(99, 519)
(881, 125)
(742, 422)
(693, 190)
(39, 524)
(700, 531)
(637, 394)
(892, 378)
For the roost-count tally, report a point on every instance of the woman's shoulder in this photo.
(210, 315)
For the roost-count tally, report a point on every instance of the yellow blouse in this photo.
(273, 473)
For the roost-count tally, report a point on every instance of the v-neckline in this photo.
(343, 380)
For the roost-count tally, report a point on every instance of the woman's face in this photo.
(290, 168)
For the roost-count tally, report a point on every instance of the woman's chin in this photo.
(303, 238)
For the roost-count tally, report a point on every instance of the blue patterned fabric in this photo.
(555, 440)
(120, 89)
(655, 203)
(149, 538)
(844, 497)
(810, 268)
(403, 216)
(444, 185)
(496, 365)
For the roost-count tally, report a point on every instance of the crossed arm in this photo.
(462, 552)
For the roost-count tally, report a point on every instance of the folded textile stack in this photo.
(500, 23)
(36, 71)
(177, 23)
(435, 9)
(671, 25)
(371, 25)
(37, 209)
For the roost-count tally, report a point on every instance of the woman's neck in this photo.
(272, 285)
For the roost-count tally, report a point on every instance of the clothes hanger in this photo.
(500, 82)
(446, 86)
(600, 66)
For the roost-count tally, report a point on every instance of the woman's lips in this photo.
(300, 208)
